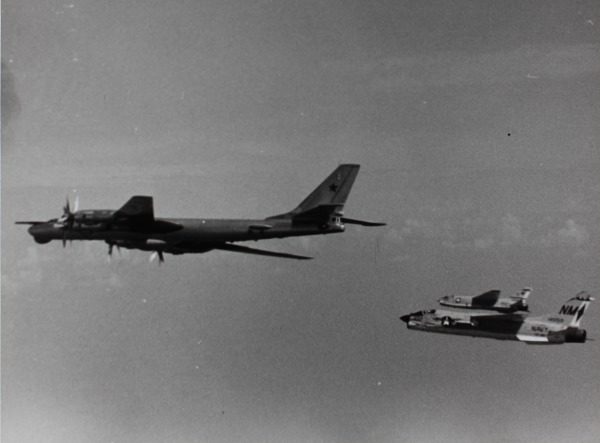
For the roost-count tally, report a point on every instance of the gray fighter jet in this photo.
(559, 328)
(489, 300)
(134, 225)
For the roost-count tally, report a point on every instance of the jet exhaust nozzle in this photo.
(575, 335)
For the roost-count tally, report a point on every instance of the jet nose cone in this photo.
(405, 318)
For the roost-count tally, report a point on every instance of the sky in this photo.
(476, 127)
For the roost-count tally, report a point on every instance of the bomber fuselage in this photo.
(135, 226)
(182, 230)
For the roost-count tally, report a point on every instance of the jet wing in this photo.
(512, 316)
(509, 323)
(139, 209)
(247, 250)
(488, 298)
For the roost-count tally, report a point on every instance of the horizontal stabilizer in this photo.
(247, 250)
(532, 339)
(352, 221)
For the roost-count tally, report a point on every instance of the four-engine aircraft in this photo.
(546, 329)
(134, 225)
(489, 300)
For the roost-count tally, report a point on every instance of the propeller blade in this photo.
(67, 207)
(76, 203)
(156, 254)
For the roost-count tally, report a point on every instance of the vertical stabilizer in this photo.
(574, 308)
(523, 294)
(333, 191)
(329, 197)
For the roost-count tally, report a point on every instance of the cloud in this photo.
(572, 234)
(27, 272)
(449, 68)
(510, 229)
(483, 243)
(484, 232)
(11, 105)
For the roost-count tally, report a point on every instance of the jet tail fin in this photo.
(327, 198)
(574, 308)
(523, 294)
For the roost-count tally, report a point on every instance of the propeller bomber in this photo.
(134, 225)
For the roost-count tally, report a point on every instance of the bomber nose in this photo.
(40, 233)
(405, 318)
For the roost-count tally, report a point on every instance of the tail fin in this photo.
(523, 294)
(329, 197)
(574, 308)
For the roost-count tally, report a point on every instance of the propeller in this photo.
(111, 246)
(159, 254)
(65, 220)
(68, 217)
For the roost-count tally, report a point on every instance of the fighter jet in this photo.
(134, 225)
(559, 328)
(489, 300)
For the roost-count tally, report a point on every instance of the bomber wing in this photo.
(138, 213)
(247, 250)
(138, 209)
